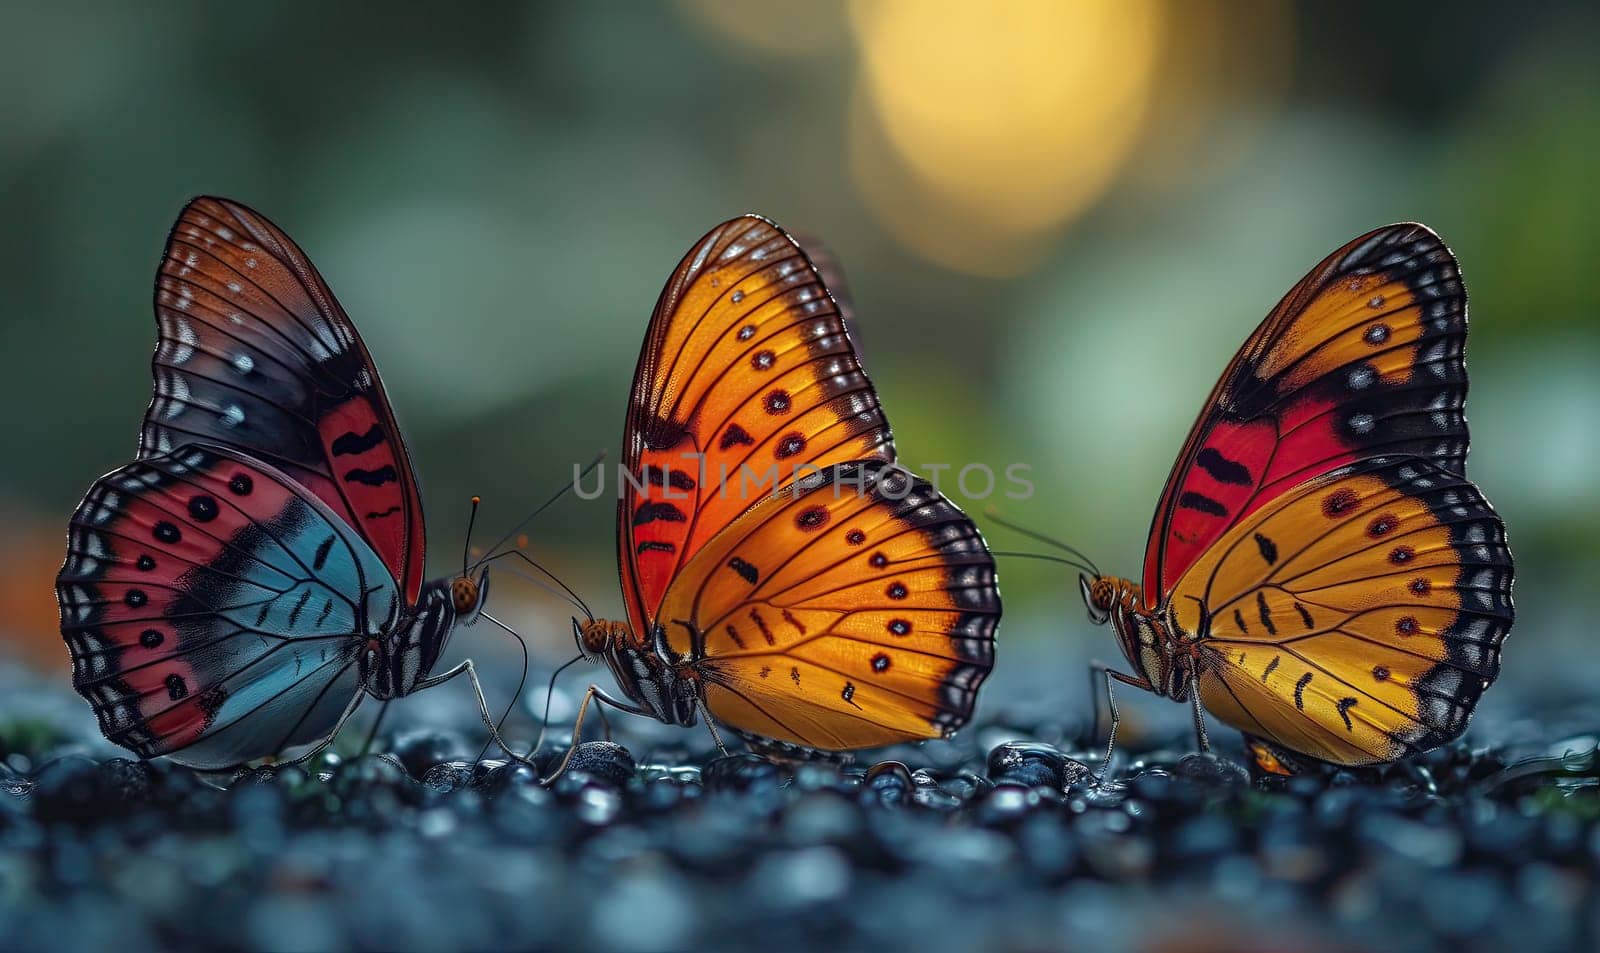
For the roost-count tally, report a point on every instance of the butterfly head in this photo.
(1099, 595)
(467, 595)
(1141, 635)
(598, 638)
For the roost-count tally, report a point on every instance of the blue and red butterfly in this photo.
(238, 589)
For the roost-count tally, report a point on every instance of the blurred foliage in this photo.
(1059, 222)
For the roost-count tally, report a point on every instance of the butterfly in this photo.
(239, 588)
(1320, 574)
(783, 576)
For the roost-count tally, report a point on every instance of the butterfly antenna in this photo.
(548, 692)
(542, 507)
(1047, 558)
(466, 548)
(994, 514)
(521, 682)
(571, 596)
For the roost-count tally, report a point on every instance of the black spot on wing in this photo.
(766, 633)
(650, 511)
(1300, 691)
(1269, 549)
(790, 445)
(1221, 469)
(1266, 614)
(654, 546)
(353, 443)
(378, 477)
(667, 476)
(1272, 666)
(321, 557)
(1305, 616)
(1201, 503)
(746, 571)
(660, 433)
(294, 614)
(735, 436)
(1345, 704)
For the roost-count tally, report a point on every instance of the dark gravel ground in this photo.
(985, 842)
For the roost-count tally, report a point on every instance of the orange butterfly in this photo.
(783, 577)
(1320, 573)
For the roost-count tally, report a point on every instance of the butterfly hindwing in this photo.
(1356, 618)
(747, 372)
(854, 610)
(1364, 357)
(255, 353)
(214, 609)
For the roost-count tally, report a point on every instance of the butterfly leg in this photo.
(712, 726)
(1200, 723)
(1108, 674)
(483, 703)
(596, 695)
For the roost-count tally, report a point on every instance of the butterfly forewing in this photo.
(256, 354)
(1364, 357)
(747, 372)
(1356, 618)
(856, 610)
(214, 609)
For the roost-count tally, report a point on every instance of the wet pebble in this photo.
(742, 773)
(604, 760)
(981, 841)
(1035, 765)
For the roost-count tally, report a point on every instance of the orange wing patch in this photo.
(856, 610)
(747, 373)
(1356, 619)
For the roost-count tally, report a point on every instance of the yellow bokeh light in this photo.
(1008, 119)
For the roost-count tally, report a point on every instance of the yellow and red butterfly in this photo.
(1320, 573)
(849, 605)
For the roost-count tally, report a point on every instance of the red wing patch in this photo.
(369, 486)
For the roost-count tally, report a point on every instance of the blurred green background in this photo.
(1059, 222)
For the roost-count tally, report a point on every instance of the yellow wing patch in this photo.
(855, 610)
(1358, 617)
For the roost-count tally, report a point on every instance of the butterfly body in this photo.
(237, 589)
(784, 578)
(1319, 572)
(1163, 655)
(651, 674)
